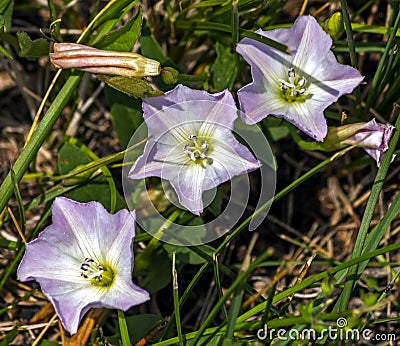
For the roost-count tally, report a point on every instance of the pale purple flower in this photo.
(373, 137)
(296, 86)
(192, 144)
(84, 260)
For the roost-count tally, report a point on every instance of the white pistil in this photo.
(195, 150)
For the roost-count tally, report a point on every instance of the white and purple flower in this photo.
(371, 136)
(298, 86)
(84, 260)
(192, 144)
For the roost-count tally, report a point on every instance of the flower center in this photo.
(98, 274)
(195, 151)
(294, 88)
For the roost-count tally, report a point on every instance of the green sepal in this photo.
(131, 86)
(336, 138)
(169, 75)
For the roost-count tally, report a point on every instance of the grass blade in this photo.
(123, 329)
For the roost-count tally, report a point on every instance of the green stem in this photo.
(315, 278)
(192, 78)
(123, 329)
(279, 195)
(39, 136)
(176, 300)
(241, 325)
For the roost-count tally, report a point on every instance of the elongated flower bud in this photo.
(89, 59)
(371, 136)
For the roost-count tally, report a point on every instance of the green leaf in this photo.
(111, 14)
(32, 49)
(5, 52)
(126, 114)
(208, 3)
(10, 336)
(159, 273)
(224, 69)
(277, 128)
(368, 299)
(150, 48)
(215, 206)
(98, 189)
(124, 38)
(6, 11)
(140, 325)
(186, 255)
(131, 86)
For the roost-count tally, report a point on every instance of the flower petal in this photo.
(185, 106)
(229, 159)
(50, 259)
(78, 221)
(70, 301)
(331, 80)
(313, 46)
(309, 118)
(267, 65)
(188, 185)
(374, 138)
(257, 102)
(124, 295)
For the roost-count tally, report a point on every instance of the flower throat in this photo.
(294, 88)
(98, 274)
(197, 152)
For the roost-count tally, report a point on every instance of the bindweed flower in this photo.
(84, 260)
(89, 59)
(296, 87)
(371, 136)
(191, 144)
